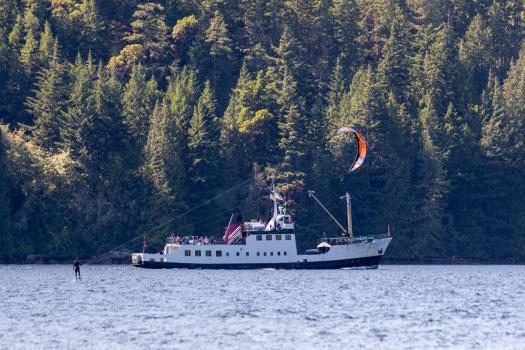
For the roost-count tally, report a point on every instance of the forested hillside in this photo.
(119, 116)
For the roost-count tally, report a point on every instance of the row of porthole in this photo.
(218, 253)
(277, 237)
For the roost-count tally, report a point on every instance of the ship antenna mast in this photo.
(274, 195)
(312, 195)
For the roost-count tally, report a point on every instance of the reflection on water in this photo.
(394, 307)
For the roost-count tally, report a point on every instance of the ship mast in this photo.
(274, 201)
(349, 216)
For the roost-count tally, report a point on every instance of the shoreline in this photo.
(125, 259)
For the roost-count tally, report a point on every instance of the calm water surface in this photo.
(394, 307)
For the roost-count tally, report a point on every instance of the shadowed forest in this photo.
(118, 117)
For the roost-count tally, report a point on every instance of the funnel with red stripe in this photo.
(234, 231)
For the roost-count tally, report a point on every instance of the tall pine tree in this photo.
(48, 104)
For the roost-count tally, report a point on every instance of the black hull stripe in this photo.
(370, 262)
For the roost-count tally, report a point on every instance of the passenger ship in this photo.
(256, 245)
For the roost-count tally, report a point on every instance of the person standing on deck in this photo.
(76, 267)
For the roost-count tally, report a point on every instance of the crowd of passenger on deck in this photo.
(198, 240)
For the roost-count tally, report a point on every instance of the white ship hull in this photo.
(266, 250)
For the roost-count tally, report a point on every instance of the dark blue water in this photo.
(395, 307)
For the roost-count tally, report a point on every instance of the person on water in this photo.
(76, 267)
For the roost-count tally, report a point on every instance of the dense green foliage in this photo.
(119, 116)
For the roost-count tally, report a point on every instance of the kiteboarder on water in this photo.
(76, 267)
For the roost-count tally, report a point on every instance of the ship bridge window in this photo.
(218, 253)
(288, 237)
(208, 253)
(259, 237)
(197, 253)
(287, 220)
(187, 252)
(278, 237)
(268, 237)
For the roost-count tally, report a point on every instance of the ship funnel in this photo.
(234, 230)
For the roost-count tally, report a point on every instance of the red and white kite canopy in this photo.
(361, 147)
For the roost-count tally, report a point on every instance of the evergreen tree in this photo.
(335, 96)
(92, 26)
(181, 98)
(32, 13)
(80, 105)
(514, 97)
(46, 45)
(495, 128)
(261, 30)
(138, 101)
(500, 42)
(203, 137)
(48, 104)
(11, 82)
(394, 67)
(29, 54)
(231, 142)
(157, 150)
(220, 45)
(290, 170)
(8, 12)
(182, 95)
(6, 238)
(346, 32)
(476, 55)
(432, 213)
(440, 71)
(16, 35)
(290, 54)
(183, 34)
(150, 31)
(100, 132)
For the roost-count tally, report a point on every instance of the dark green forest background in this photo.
(121, 115)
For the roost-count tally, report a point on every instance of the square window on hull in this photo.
(187, 253)
(197, 253)
(208, 253)
(218, 253)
